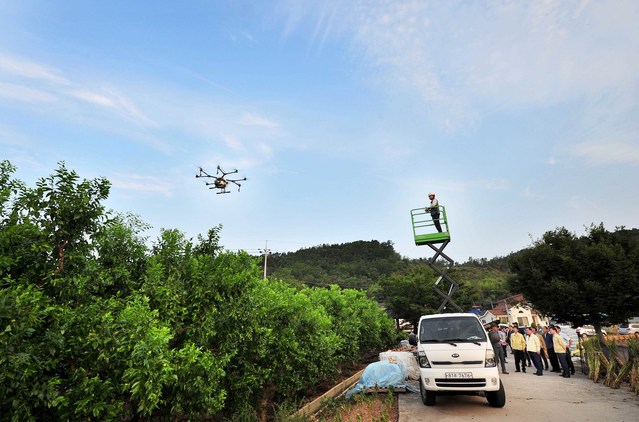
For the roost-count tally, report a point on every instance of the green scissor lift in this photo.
(425, 234)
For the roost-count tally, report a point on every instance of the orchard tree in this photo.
(94, 325)
(411, 295)
(592, 279)
(49, 229)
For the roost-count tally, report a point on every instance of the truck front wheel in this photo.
(497, 398)
(428, 397)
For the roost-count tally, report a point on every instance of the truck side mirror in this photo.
(412, 339)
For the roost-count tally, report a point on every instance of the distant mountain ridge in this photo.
(363, 264)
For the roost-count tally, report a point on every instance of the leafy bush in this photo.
(95, 325)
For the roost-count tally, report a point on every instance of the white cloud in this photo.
(93, 98)
(474, 184)
(39, 83)
(25, 94)
(249, 37)
(34, 95)
(252, 119)
(116, 102)
(462, 57)
(18, 66)
(243, 35)
(607, 153)
(142, 184)
(233, 143)
(462, 186)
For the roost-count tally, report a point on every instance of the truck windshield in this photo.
(451, 329)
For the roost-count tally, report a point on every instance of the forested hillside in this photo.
(356, 265)
(369, 265)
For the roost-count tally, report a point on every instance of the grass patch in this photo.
(372, 407)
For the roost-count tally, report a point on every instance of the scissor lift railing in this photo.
(424, 226)
(425, 233)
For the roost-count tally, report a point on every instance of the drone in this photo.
(220, 182)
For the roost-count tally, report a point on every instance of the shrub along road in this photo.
(546, 398)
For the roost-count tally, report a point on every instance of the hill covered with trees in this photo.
(377, 268)
(356, 265)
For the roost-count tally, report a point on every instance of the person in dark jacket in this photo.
(552, 356)
(495, 340)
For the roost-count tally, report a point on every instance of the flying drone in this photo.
(220, 182)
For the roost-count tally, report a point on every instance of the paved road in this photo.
(531, 399)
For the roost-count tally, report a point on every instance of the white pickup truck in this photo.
(456, 357)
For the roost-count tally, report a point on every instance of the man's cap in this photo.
(431, 194)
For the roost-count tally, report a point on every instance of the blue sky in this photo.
(522, 116)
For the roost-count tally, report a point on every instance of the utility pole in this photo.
(266, 251)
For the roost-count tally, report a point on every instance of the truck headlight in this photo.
(423, 360)
(490, 359)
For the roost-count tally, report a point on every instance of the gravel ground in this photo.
(529, 397)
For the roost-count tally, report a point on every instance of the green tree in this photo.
(121, 257)
(95, 326)
(592, 279)
(48, 231)
(360, 324)
(479, 286)
(411, 295)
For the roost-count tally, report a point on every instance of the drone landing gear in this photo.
(220, 192)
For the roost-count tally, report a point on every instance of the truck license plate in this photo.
(458, 375)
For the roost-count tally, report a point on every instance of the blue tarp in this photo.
(382, 374)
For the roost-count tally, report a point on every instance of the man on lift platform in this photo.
(429, 223)
(434, 211)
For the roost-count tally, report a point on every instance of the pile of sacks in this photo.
(407, 359)
(392, 370)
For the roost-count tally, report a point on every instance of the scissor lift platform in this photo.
(424, 230)
(425, 233)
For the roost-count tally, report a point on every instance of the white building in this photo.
(488, 317)
(516, 309)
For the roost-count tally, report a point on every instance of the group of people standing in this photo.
(531, 347)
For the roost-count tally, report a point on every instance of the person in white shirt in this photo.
(560, 350)
(533, 347)
(434, 211)
(504, 342)
(568, 341)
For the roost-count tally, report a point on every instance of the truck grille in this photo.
(465, 362)
(461, 383)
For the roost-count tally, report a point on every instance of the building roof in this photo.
(502, 305)
(498, 312)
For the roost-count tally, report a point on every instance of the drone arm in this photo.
(202, 173)
(236, 182)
